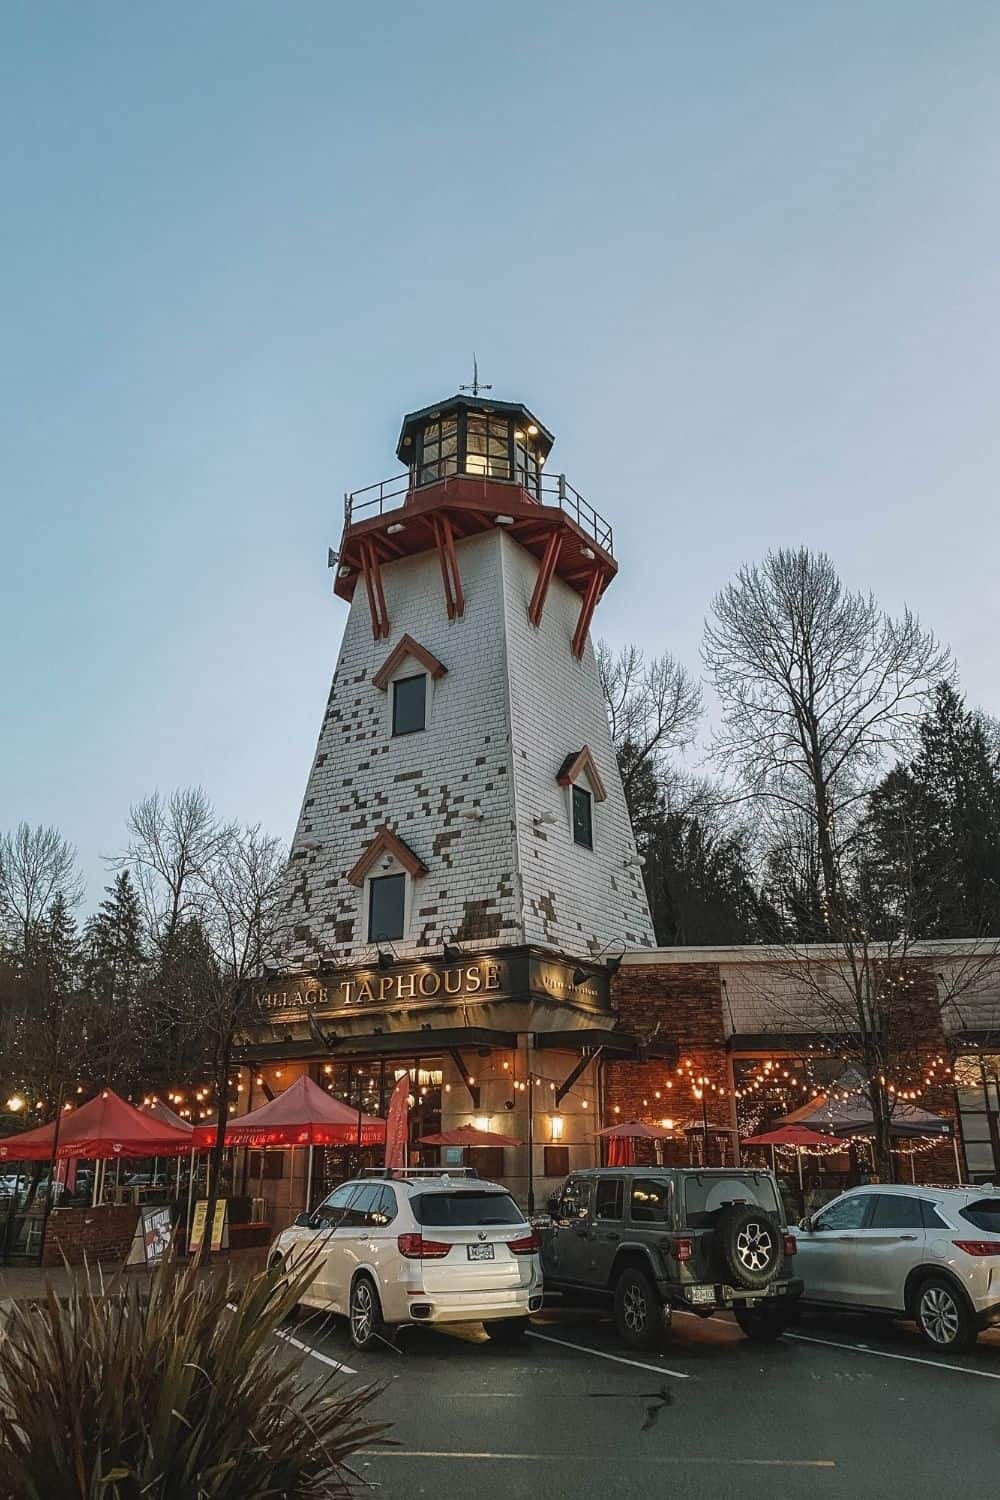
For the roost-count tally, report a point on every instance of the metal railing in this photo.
(554, 489)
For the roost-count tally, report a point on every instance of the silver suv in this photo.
(927, 1253)
(656, 1238)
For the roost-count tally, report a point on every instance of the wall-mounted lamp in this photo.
(545, 817)
(451, 951)
(556, 1124)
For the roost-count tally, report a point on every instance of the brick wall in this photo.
(685, 1002)
(91, 1234)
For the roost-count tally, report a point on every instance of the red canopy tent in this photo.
(468, 1135)
(620, 1138)
(105, 1127)
(157, 1110)
(304, 1115)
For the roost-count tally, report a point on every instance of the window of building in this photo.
(583, 817)
(269, 1166)
(438, 449)
(409, 704)
(526, 465)
(386, 908)
(610, 1202)
(487, 443)
(487, 1161)
(556, 1163)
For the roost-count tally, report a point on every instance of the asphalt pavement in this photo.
(842, 1407)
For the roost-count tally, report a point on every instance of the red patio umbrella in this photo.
(103, 1128)
(304, 1115)
(468, 1135)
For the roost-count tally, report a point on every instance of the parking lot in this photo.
(841, 1407)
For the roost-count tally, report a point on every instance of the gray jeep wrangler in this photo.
(656, 1238)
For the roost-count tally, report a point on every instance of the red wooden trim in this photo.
(376, 594)
(587, 608)
(544, 578)
(386, 842)
(407, 646)
(449, 599)
(456, 577)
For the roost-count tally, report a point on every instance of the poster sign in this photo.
(151, 1240)
(220, 1226)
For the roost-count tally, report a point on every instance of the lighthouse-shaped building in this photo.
(463, 876)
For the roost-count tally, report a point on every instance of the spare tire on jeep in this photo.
(748, 1244)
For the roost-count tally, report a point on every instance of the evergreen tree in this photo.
(935, 827)
(114, 971)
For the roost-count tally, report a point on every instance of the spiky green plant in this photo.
(174, 1390)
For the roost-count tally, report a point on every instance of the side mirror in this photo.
(553, 1204)
(304, 1221)
(806, 1224)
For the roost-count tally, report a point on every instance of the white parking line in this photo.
(910, 1359)
(324, 1359)
(674, 1460)
(617, 1359)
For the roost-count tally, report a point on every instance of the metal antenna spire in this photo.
(476, 385)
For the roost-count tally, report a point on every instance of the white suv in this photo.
(427, 1246)
(927, 1253)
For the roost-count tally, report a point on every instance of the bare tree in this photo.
(654, 708)
(240, 913)
(171, 841)
(818, 686)
(37, 866)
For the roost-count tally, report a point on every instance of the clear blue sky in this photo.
(742, 259)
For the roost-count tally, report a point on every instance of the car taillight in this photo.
(683, 1249)
(978, 1247)
(526, 1245)
(790, 1244)
(415, 1247)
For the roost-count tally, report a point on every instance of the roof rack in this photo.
(408, 1174)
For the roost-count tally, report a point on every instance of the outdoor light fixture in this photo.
(15, 1103)
(452, 952)
(545, 817)
(504, 520)
(332, 558)
(557, 1127)
(612, 964)
(631, 860)
(481, 1122)
(395, 528)
(387, 957)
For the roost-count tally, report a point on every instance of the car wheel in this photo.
(762, 1325)
(367, 1326)
(943, 1317)
(638, 1310)
(506, 1330)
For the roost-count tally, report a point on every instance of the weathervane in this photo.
(476, 386)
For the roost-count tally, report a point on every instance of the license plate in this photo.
(480, 1252)
(702, 1294)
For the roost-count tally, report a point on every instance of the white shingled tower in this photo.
(465, 790)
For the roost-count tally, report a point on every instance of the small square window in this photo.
(409, 704)
(386, 908)
(583, 818)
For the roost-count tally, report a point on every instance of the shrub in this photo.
(171, 1390)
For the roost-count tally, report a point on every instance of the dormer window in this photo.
(581, 779)
(386, 908)
(583, 817)
(409, 704)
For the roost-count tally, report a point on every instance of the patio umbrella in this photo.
(797, 1136)
(621, 1152)
(468, 1135)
